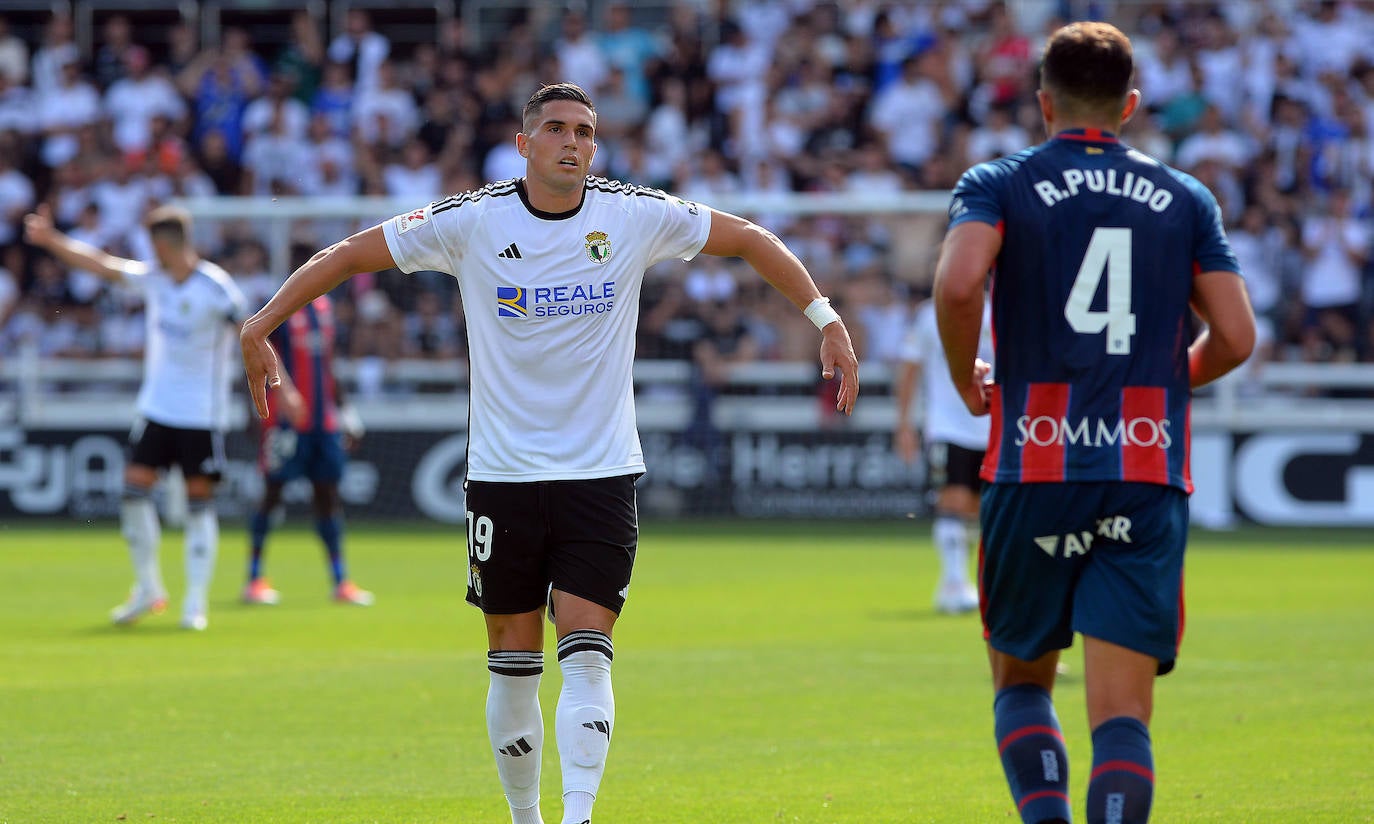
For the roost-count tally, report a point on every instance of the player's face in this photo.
(560, 144)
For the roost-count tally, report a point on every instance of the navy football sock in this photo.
(258, 527)
(330, 531)
(1033, 755)
(1123, 779)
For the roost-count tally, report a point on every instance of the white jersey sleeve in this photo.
(426, 239)
(683, 230)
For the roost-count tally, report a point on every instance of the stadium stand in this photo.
(108, 108)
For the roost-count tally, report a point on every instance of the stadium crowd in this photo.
(1270, 104)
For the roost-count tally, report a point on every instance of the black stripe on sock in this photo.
(587, 640)
(515, 662)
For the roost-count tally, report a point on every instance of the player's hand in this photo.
(837, 355)
(38, 227)
(908, 443)
(260, 364)
(977, 393)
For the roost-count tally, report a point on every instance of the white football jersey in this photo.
(947, 420)
(189, 359)
(552, 304)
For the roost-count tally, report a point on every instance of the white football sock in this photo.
(951, 540)
(202, 545)
(138, 521)
(516, 728)
(585, 719)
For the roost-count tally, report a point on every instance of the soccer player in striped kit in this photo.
(1098, 256)
(550, 268)
(305, 435)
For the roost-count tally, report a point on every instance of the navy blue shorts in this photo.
(288, 455)
(1101, 559)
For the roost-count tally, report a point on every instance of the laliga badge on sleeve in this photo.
(409, 220)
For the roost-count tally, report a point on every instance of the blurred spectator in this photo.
(134, 100)
(58, 48)
(276, 160)
(220, 86)
(385, 113)
(334, 98)
(998, 135)
(629, 48)
(16, 200)
(430, 332)
(276, 110)
(908, 113)
(14, 55)
(1214, 141)
(64, 109)
(362, 48)
(580, 59)
(414, 176)
(1337, 248)
(301, 61)
(111, 56)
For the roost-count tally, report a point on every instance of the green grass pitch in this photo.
(765, 673)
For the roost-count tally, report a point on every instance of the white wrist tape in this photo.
(820, 313)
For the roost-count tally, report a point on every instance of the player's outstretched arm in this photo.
(961, 273)
(364, 252)
(40, 231)
(733, 236)
(1221, 301)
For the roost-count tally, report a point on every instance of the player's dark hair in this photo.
(170, 223)
(557, 91)
(1088, 66)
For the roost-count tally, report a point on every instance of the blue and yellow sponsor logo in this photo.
(510, 302)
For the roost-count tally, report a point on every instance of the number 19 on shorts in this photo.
(480, 532)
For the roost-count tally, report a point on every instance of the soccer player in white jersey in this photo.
(549, 267)
(955, 441)
(193, 310)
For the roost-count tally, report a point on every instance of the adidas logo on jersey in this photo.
(511, 252)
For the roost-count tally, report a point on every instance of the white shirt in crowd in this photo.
(551, 303)
(131, 105)
(947, 420)
(1332, 278)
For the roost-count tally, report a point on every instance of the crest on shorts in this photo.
(598, 247)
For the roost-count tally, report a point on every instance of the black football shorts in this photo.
(580, 536)
(952, 465)
(199, 452)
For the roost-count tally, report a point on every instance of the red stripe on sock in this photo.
(1016, 735)
(1123, 766)
(1036, 796)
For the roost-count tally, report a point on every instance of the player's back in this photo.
(1091, 309)
(305, 345)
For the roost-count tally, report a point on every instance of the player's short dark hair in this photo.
(557, 91)
(1088, 65)
(170, 223)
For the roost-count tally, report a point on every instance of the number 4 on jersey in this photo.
(1109, 249)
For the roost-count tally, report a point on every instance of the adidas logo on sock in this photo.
(511, 252)
(518, 748)
(600, 726)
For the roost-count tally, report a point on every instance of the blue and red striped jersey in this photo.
(1090, 308)
(305, 347)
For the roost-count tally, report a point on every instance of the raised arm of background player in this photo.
(40, 231)
(967, 256)
(367, 251)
